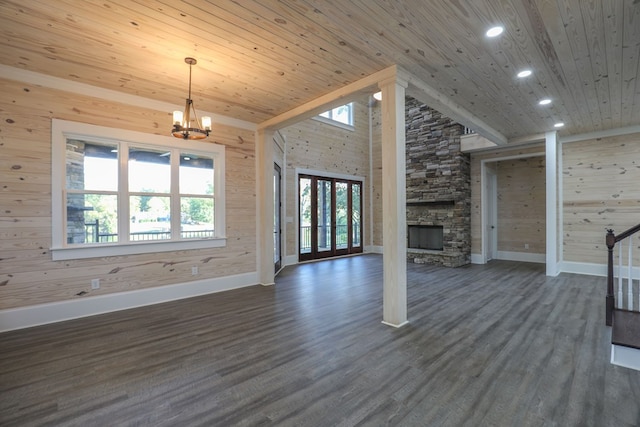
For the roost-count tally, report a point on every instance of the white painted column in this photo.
(551, 161)
(394, 209)
(264, 210)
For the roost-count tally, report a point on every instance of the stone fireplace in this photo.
(438, 189)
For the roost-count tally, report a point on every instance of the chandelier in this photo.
(186, 124)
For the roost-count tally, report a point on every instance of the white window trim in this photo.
(333, 122)
(61, 130)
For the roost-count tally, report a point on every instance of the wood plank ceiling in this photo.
(261, 58)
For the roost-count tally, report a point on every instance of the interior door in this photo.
(491, 222)
(277, 217)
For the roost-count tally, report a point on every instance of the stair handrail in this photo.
(611, 239)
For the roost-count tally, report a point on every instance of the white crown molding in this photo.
(84, 89)
(600, 134)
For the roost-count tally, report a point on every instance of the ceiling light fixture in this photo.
(186, 125)
(545, 101)
(524, 73)
(558, 125)
(378, 96)
(494, 31)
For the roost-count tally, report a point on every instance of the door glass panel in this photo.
(356, 223)
(324, 216)
(342, 220)
(305, 215)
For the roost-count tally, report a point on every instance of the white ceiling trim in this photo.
(601, 134)
(57, 83)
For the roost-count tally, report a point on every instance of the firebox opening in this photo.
(426, 237)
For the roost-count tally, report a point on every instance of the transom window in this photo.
(123, 192)
(342, 114)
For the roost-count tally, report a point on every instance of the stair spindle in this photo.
(630, 279)
(620, 293)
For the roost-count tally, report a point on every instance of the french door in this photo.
(330, 212)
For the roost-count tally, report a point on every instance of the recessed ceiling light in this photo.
(524, 73)
(558, 125)
(545, 101)
(495, 31)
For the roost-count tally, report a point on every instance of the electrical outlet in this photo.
(95, 283)
(526, 246)
(194, 270)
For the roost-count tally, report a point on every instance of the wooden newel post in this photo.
(611, 242)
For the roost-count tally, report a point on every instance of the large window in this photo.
(342, 114)
(119, 192)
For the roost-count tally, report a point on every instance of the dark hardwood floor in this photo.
(494, 345)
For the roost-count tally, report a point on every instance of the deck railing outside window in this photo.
(93, 235)
(342, 236)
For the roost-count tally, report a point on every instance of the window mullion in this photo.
(123, 193)
(175, 195)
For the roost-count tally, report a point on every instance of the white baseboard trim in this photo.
(41, 314)
(393, 325)
(583, 268)
(521, 256)
(373, 249)
(477, 259)
(592, 269)
(625, 356)
(290, 260)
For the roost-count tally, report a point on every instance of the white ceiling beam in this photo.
(330, 100)
(528, 139)
(421, 91)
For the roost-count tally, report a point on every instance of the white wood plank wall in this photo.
(600, 187)
(28, 275)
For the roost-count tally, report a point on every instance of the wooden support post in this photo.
(394, 209)
(553, 227)
(264, 190)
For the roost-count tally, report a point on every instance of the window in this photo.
(342, 114)
(119, 192)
